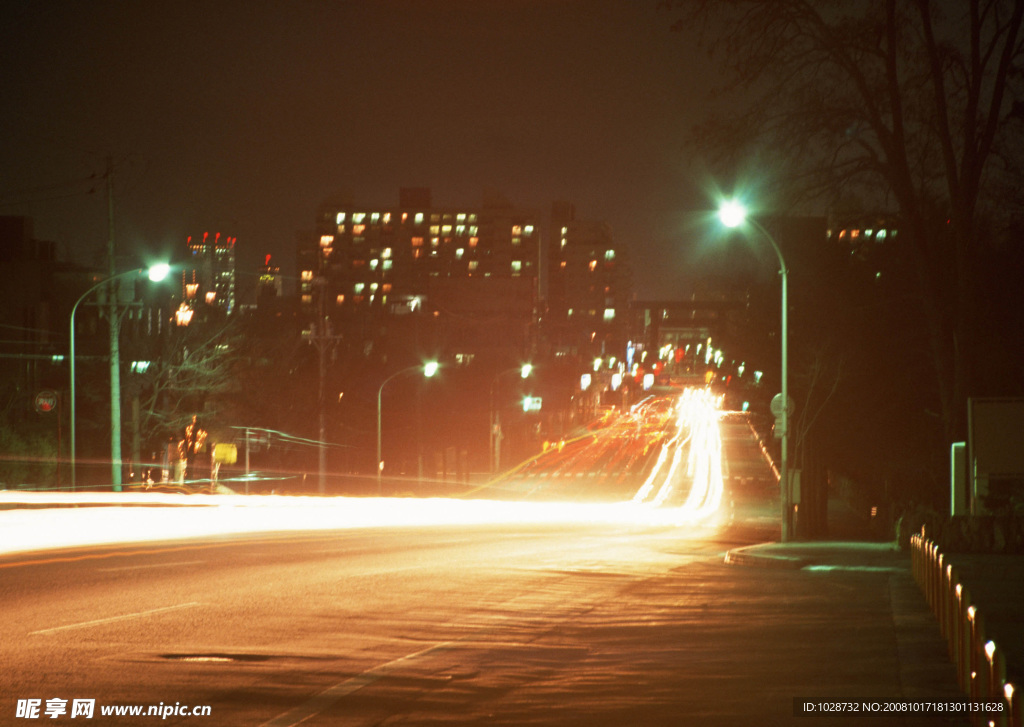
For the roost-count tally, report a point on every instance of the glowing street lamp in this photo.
(524, 371)
(733, 214)
(155, 273)
(428, 369)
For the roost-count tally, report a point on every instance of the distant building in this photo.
(209, 273)
(589, 288)
(270, 287)
(473, 268)
(32, 309)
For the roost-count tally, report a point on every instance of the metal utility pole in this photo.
(115, 351)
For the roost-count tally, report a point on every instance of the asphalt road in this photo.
(499, 625)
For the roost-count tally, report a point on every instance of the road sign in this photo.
(776, 405)
(46, 401)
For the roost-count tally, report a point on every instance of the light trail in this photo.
(691, 458)
(698, 438)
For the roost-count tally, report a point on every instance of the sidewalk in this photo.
(926, 672)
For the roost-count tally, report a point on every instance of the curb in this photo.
(746, 556)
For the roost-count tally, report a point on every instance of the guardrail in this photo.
(980, 663)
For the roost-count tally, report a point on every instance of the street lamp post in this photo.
(733, 214)
(155, 273)
(523, 371)
(429, 369)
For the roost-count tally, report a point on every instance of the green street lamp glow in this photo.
(155, 273)
(428, 369)
(524, 372)
(733, 214)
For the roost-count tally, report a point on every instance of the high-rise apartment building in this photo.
(589, 287)
(458, 263)
(209, 272)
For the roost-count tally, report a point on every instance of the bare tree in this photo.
(195, 375)
(913, 106)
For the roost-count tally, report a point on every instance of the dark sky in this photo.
(240, 117)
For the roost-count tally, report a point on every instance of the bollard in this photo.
(1015, 715)
(963, 665)
(996, 677)
(979, 672)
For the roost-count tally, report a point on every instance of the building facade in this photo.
(473, 268)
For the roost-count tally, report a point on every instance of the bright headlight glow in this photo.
(688, 470)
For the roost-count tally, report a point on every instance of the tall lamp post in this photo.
(524, 372)
(428, 369)
(155, 273)
(734, 214)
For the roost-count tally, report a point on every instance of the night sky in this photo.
(241, 117)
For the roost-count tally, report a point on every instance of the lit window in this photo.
(528, 230)
(435, 242)
(435, 229)
(609, 314)
(459, 253)
(473, 230)
(561, 265)
(609, 254)
(387, 218)
(386, 253)
(461, 217)
(341, 298)
(341, 217)
(564, 242)
(417, 242)
(358, 229)
(516, 240)
(419, 218)
(387, 264)
(307, 275)
(473, 264)
(341, 229)
(472, 218)
(446, 230)
(374, 263)
(517, 230)
(417, 253)
(375, 217)
(405, 216)
(593, 265)
(373, 286)
(358, 288)
(386, 288)
(191, 289)
(306, 298)
(326, 240)
(473, 241)
(517, 266)
(460, 230)
(565, 231)
(358, 216)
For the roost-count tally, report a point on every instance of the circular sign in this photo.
(776, 406)
(46, 401)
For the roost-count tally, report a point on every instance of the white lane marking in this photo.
(329, 696)
(152, 565)
(112, 619)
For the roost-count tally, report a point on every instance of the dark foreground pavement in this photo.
(871, 635)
